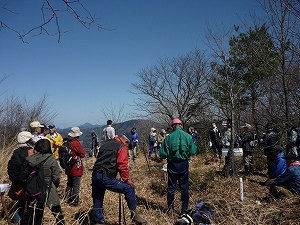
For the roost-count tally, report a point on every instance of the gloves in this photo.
(130, 183)
(210, 144)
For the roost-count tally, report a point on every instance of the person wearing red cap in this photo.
(177, 148)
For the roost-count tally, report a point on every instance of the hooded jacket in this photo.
(51, 173)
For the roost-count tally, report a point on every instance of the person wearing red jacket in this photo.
(76, 172)
(112, 159)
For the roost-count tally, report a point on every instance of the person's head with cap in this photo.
(35, 127)
(52, 128)
(247, 126)
(163, 131)
(176, 123)
(153, 130)
(75, 132)
(24, 139)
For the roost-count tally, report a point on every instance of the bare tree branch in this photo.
(51, 14)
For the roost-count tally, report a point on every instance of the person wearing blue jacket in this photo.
(177, 148)
(288, 184)
(278, 166)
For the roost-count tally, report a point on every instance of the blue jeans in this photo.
(100, 184)
(151, 149)
(178, 172)
(19, 214)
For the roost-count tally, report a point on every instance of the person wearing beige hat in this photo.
(75, 173)
(247, 149)
(15, 170)
(36, 130)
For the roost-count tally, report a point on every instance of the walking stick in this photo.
(145, 153)
(120, 208)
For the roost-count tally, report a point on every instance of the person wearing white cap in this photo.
(75, 173)
(15, 170)
(36, 130)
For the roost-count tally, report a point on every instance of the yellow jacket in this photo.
(56, 141)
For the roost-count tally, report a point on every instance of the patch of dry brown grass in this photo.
(223, 195)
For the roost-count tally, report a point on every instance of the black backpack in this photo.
(66, 159)
(36, 185)
(17, 164)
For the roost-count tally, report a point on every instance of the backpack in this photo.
(202, 213)
(152, 138)
(254, 142)
(16, 165)
(66, 159)
(36, 185)
(184, 219)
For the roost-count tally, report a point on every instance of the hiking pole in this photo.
(145, 153)
(120, 208)
(124, 219)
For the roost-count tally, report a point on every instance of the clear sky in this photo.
(91, 69)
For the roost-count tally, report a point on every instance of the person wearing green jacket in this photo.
(177, 148)
(43, 154)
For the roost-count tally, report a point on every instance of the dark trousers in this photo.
(216, 147)
(178, 172)
(72, 190)
(100, 184)
(36, 214)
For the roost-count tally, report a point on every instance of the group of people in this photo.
(112, 158)
(283, 166)
(41, 146)
(176, 147)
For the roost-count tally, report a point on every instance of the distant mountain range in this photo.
(143, 128)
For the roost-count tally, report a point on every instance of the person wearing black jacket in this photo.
(16, 172)
(214, 136)
(271, 144)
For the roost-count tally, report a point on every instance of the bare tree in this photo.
(18, 113)
(284, 25)
(173, 88)
(115, 113)
(52, 16)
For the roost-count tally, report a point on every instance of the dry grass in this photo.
(222, 193)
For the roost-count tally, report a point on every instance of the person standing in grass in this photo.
(177, 148)
(111, 160)
(76, 172)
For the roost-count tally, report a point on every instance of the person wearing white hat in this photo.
(15, 170)
(76, 172)
(36, 130)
